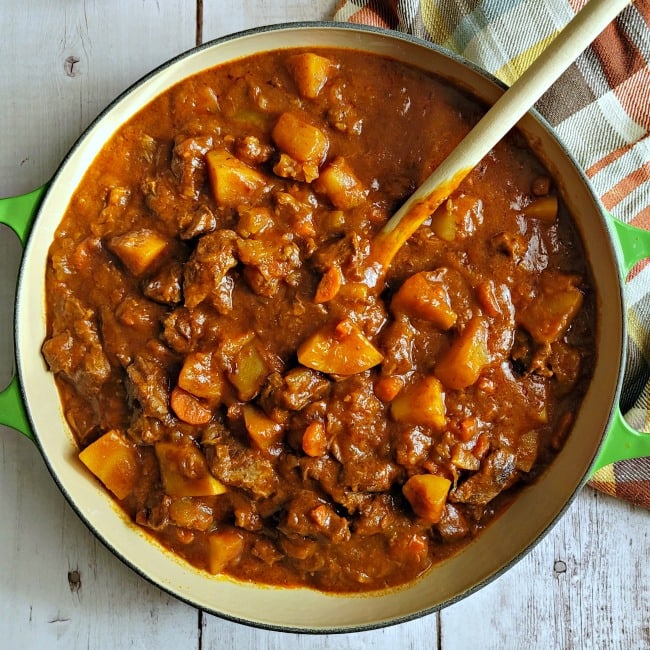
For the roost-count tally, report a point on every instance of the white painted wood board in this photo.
(586, 585)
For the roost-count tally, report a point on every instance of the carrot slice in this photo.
(188, 407)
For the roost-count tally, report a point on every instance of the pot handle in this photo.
(622, 441)
(18, 213)
(634, 243)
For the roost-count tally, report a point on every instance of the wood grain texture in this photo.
(227, 16)
(586, 585)
(68, 60)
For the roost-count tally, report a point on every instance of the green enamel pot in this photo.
(30, 404)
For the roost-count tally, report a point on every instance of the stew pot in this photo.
(31, 402)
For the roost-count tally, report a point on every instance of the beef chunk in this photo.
(366, 474)
(250, 150)
(207, 267)
(295, 390)
(188, 163)
(197, 222)
(165, 285)
(498, 472)
(78, 355)
(148, 384)
(453, 525)
(308, 516)
(183, 328)
(238, 466)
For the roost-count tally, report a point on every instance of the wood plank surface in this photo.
(585, 585)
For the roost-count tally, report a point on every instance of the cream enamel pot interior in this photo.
(515, 532)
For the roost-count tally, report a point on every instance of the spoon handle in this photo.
(587, 24)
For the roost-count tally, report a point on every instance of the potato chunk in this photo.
(543, 208)
(462, 364)
(233, 182)
(548, 316)
(264, 433)
(421, 403)
(249, 371)
(184, 471)
(224, 547)
(424, 295)
(341, 349)
(138, 249)
(310, 72)
(114, 460)
(300, 140)
(427, 494)
(201, 376)
(341, 186)
(458, 217)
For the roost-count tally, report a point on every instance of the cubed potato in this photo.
(423, 295)
(265, 434)
(427, 494)
(249, 371)
(233, 182)
(421, 403)
(201, 376)
(457, 217)
(543, 208)
(549, 315)
(224, 547)
(138, 250)
(114, 460)
(184, 471)
(299, 139)
(443, 222)
(468, 355)
(339, 183)
(310, 72)
(339, 349)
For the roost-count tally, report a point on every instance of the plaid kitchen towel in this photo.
(600, 108)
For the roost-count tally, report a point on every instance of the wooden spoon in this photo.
(342, 348)
(588, 23)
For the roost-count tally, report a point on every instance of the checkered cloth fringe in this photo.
(600, 108)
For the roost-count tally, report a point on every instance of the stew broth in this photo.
(235, 384)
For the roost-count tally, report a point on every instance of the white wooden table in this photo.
(586, 585)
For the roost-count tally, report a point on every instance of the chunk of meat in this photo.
(165, 286)
(268, 261)
(252, 151)
(148, 384)
(498, 472)
(207, 267)
(453, 524)
(197, 222)
(238, 466)
(188, 163)
(296, 389)
(183, 328)
(77, 354)
(308, 516)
